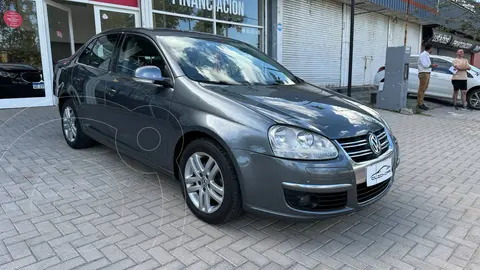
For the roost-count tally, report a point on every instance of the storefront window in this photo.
(248, 35)
(237, 19)
(240, 11)
(179, 23)
(20, 60)
(199, 8)
(112, 20)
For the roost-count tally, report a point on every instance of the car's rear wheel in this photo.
(72, 130)
(473, 99)
(209, 182)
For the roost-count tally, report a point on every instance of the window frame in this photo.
(441, 64)
(414, 64)
(122, 40)
(92, 41)
(261, 26)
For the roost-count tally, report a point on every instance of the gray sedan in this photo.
(237, 129)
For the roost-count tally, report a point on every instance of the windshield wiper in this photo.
(215, 82)
(224, 82)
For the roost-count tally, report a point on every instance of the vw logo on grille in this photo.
(375, 144)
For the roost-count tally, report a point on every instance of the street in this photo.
(90, 209)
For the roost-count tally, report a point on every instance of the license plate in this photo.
(38, 85)
(379, 172)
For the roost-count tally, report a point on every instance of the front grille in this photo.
(364, 193)
(358, 148)
(317, 202)
(31, 76)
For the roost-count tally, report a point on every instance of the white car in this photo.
(440, 80)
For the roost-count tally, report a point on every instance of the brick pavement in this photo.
(65, 209)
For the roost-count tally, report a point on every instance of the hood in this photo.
(16, 67)
(303, 105)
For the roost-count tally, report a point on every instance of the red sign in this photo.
(12, 19)
(130, 3)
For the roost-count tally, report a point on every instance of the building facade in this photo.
(310, 37)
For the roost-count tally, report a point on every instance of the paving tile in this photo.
(42, 251)
(19, 250)
(161, 255)
(85, 214)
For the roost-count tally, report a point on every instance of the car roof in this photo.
(153, 32)
(448, 58)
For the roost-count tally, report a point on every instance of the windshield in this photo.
(214, 60)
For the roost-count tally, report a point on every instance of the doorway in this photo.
(71, 24)
(107, 18)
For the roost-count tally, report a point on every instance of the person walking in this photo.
(424, 69)
(459, 78)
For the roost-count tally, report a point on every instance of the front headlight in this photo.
(295, 143)
(7, 74)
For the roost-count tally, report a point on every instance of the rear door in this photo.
(88, 79)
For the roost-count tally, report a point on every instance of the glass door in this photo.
(107, 18)
(60, 28)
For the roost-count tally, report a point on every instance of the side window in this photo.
(99, 53)
(137, 51)
(443, 66)
(413, 62)
(85, 55)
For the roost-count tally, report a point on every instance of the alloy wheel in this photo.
(69, 120)
(204, 182)
(475, 100)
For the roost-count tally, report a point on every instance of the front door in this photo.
(441, 79)
(140, 110)
(107, 18)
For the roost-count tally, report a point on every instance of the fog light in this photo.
(304, 200)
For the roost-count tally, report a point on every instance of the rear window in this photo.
(413, 62)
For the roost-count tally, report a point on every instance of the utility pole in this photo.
(406, 23)
(350, 59)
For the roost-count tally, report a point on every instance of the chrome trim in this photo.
(355, 142)
(360, 152)
(355, 145)
(316, 188)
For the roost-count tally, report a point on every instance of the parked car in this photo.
(20, 81)
(440, 80)
(237, 129)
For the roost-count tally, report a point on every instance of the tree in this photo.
(467, 22)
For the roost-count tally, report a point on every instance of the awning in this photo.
(453, 42)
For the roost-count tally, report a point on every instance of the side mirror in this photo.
(149, 74)
(152, 74)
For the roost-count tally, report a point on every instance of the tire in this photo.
(79, 140)
(473, 99)
(231, 205)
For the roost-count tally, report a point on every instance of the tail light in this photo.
(381, 69)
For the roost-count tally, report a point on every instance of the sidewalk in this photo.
(66, 209)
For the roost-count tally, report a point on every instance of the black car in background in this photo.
(20, 81)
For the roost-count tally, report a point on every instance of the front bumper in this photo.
(269, 183)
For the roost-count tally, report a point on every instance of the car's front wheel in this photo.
(209, 182)
(72, 131)
(473, 99)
